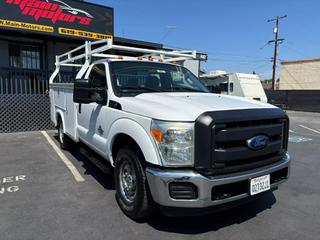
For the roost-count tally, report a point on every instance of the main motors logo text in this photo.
(55, 10)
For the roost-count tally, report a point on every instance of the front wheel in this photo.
(132, 190)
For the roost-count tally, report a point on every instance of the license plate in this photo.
(259, 184)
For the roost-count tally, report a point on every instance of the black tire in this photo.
(141, 205)
(65, 142)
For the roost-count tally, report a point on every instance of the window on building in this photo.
(25, 56)
(231, 87)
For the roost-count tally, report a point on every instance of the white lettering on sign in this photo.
(12, 179)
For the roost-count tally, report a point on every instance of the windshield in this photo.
(133, 78)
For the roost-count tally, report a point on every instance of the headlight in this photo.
(175, 142)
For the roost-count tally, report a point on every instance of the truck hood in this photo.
(184, 106)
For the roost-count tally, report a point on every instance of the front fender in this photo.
(139, 134)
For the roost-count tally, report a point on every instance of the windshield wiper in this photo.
(141, 88)
(186, 89)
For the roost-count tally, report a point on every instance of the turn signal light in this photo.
(157, 134)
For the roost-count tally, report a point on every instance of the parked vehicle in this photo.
(235, 84)
(171, 142)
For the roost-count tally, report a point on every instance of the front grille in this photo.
(231, 153)
(220, 139)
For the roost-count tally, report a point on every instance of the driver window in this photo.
(97, 76)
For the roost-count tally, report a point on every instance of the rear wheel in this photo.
(64, 140)
(132, 190)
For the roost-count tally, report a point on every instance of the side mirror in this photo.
(82, 91)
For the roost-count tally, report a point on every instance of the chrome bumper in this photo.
(159, 184)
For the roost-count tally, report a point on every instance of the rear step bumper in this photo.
(189, 189)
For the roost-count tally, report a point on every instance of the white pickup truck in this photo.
(171, 142)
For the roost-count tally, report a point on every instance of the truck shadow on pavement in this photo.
(105, 178)
(184, 225)
(214, 221)
(102, 177)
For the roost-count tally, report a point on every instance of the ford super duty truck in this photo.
(171, 142)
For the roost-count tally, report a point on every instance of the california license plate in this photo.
(259, 184)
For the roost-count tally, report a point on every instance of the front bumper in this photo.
(159, 181)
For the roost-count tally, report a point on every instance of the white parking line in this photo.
(64, 159)
(291, 131)
(310, 129)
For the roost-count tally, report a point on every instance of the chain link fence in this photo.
(24, 102)
(19, 113)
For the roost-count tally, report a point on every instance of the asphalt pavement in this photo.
(41, 198)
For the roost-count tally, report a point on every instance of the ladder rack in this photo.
(98, 49)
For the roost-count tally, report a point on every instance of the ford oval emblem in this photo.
(258, 142)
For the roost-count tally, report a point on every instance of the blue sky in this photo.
(233, 32)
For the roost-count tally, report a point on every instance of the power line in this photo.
(238, 60)
(222, 53)
(169, 30)
(276, 42)
(262, 66)
(296, 51)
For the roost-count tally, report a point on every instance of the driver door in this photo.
(90, 131)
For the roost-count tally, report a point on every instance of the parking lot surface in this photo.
(41, 198)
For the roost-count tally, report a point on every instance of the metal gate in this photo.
(24, 104)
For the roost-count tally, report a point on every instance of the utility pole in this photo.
(276, 42)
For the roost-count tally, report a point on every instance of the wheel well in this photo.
(58, 118)
(122, 140)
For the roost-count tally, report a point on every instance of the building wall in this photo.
(57, 48)
(4, 53)
(54, 46)
(300, 75)
(6, 40)
(50, 48)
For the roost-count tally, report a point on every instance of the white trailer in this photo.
(171, 142)
(235, 84)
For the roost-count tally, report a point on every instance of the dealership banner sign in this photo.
(64, 18)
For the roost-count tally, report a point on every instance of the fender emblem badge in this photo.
(100, 130)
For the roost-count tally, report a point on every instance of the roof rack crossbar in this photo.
(93, 49)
